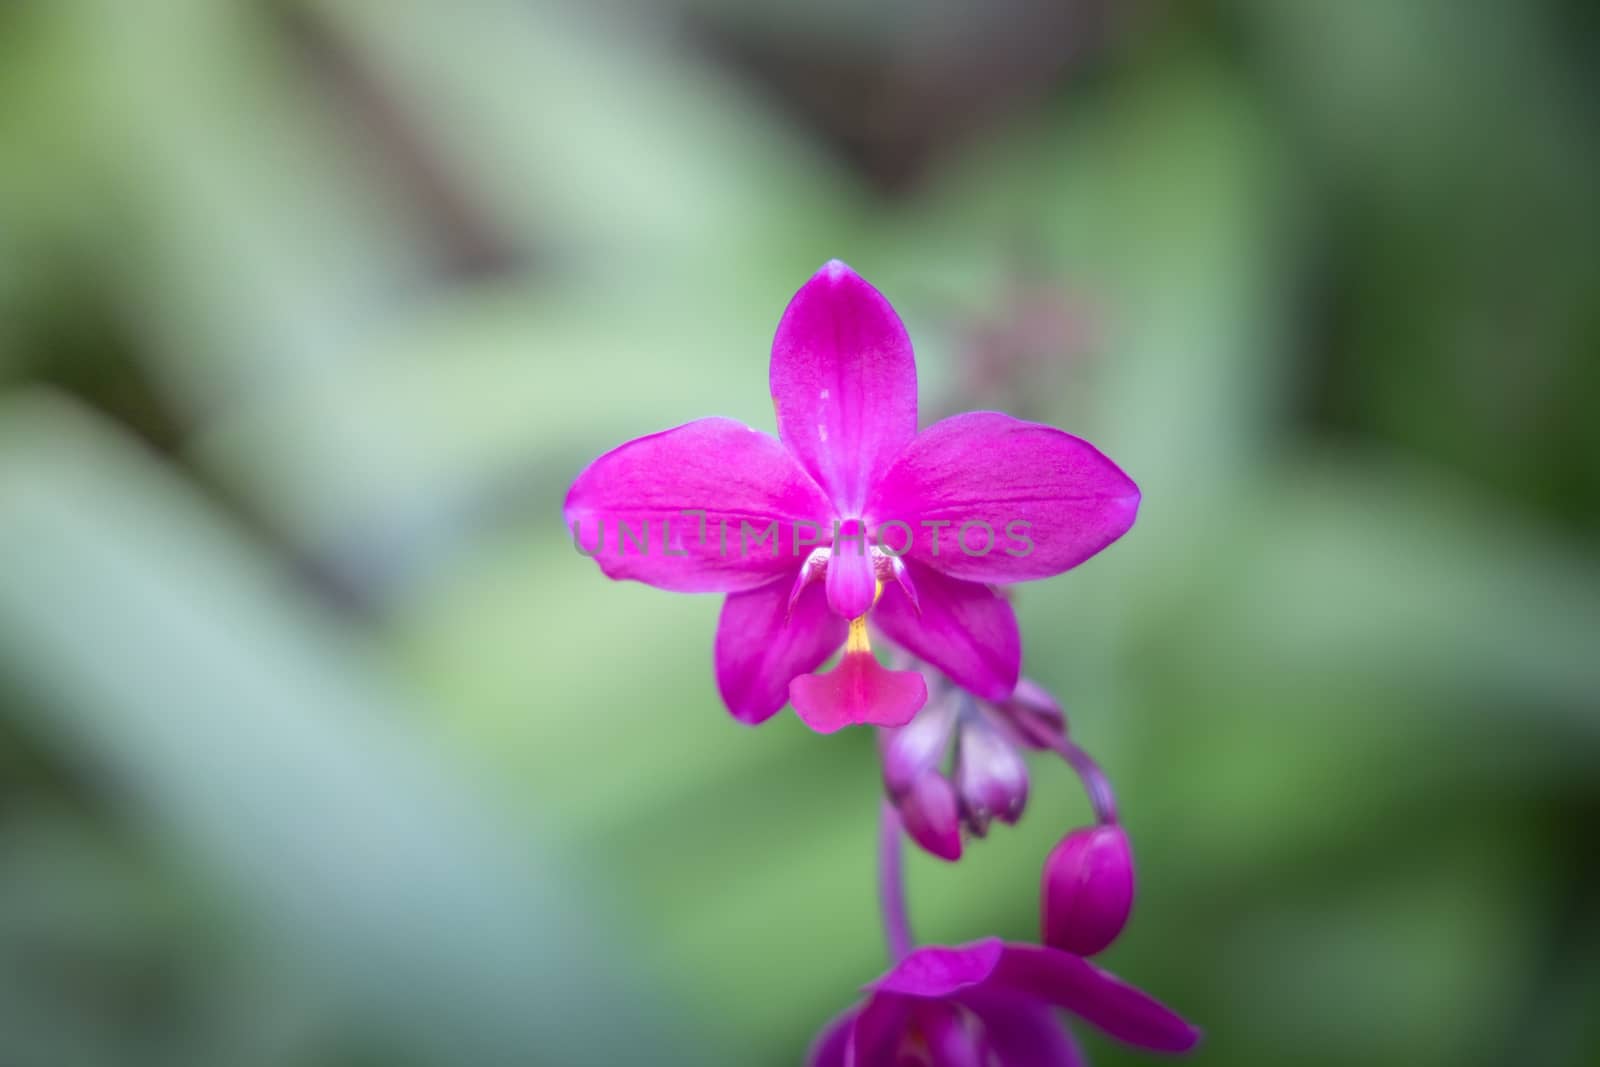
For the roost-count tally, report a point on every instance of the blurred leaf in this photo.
(478, 413)
(1375, 571)
(258, 739)
(250, 245)
(1454, 147)
(1162, 202)
(582, 131)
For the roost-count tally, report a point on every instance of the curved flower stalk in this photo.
(850, 511)
(989, 1003)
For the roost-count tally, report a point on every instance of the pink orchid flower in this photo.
(850, 511)
(993, 1003)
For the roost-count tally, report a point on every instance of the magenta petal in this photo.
(858, 691)
(965, 629)
(939, 970)
(1098, 998)
(931, 815)
(844, 383)
(1021, 500)
(1024, 1033)
(1088, 890)
(829, 1048)
(950, 1034)
(636, 508)
(879, 1029)
(851, 579)
(761, 645)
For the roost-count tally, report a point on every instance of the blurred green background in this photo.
(319, 745)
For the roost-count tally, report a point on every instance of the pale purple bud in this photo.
(991, 777)
(1088, 889)
(931, 815)
(916, 747)
(1034, 715)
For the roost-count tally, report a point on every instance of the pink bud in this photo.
(916, 747)
(991, 777)
(1034, 714)
(1088, 889)
(931, 817)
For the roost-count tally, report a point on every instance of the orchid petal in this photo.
(1023, 1033)
(935, 971)
(859, 691)
(951, 1038)
(844, 384)
(761, 645)
(686, 509)
(966, 630)
(1067, 981)
(829, 1048)
(875, 1038)
(1019, 500)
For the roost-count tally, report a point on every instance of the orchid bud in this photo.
(916, 747)
(1088, 889)
(1034, 714)
(991, 777)
(931, 815)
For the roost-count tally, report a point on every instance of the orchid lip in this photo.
(859, 690)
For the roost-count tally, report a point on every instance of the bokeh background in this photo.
(319, 745)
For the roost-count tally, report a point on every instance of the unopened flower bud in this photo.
(991, 777)
(1088, 889)
(916, 747)
(1034, 714)
(931, 815)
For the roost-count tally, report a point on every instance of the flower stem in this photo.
(1093, 778)
(891, 885)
